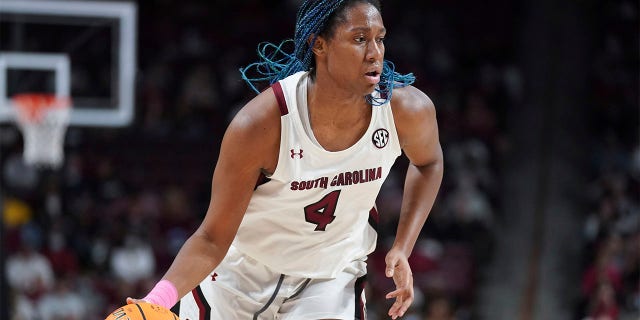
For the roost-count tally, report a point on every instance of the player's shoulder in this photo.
(267, 107)
(254, 132)
(409, 102)
(258, 115)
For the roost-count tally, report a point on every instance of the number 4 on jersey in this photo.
(322, 212)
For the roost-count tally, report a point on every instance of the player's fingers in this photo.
(390, 270)
(400, 293)
(396, 309)
(400, 306)
(391, 262)
(132, 300)
(394, 294)
(399, 312)
(406, 304)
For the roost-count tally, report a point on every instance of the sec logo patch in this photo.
(380, 138)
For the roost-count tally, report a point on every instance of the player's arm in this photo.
(417, 128)
(250, 146)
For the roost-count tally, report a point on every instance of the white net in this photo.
(43, 120)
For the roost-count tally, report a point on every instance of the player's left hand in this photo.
(398, 268)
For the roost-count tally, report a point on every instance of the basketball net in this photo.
(43, 120)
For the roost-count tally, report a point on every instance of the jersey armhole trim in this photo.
(282, 102)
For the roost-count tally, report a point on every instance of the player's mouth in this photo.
(373, 77)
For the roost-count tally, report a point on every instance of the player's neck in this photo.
(323, 94)
(337, 121)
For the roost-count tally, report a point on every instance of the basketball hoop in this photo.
(43, 120)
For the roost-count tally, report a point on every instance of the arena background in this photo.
(537, 102)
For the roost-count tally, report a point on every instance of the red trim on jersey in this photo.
(374, 218)
(203, 306)
(282, 102)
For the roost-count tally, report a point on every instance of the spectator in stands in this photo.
(63, 302)
(603, 304)
(134, 260)
(28, 271)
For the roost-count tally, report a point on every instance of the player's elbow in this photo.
(433, 165)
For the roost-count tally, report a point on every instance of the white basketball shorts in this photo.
(242, 288)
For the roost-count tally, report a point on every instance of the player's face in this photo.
(356, 50)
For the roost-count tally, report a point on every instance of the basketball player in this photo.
(292, 214)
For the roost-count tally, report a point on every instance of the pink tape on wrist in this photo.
(163, 294)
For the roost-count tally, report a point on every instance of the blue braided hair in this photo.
(314, 17)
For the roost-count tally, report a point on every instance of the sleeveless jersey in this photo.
(316, 212)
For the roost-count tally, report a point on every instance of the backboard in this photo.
(84, 50)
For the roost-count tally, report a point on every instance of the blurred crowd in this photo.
(610, 287)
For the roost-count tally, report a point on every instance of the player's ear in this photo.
(318, 44)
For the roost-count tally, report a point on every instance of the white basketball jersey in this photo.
(316, 213)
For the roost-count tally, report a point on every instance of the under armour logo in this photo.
(380, 138)
(293, 153)
(213, 276)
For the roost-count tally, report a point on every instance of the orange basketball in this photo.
(142, 311)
